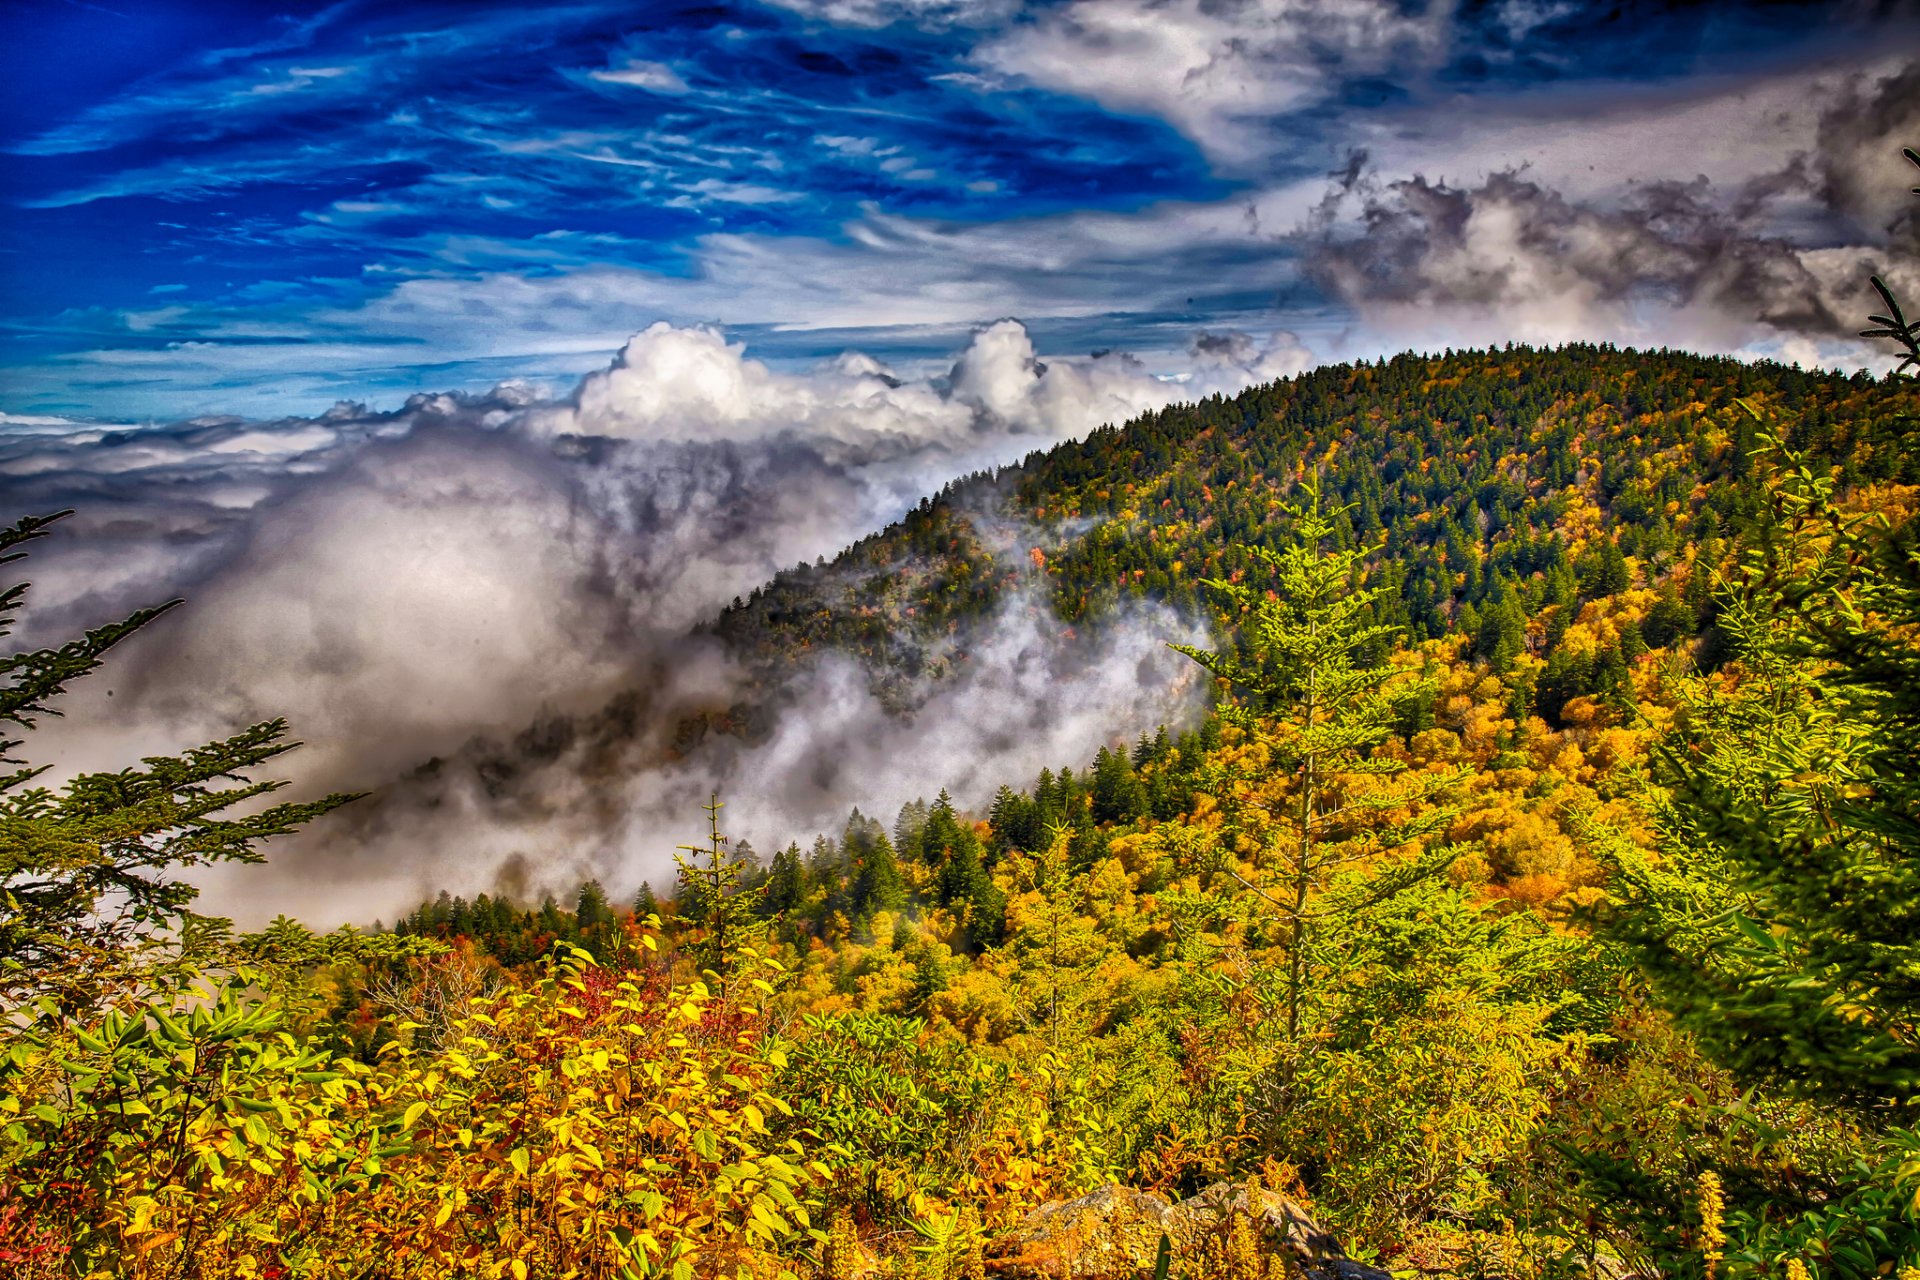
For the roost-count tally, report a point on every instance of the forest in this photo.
(1539, 897)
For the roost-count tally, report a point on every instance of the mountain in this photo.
(1468, 967)
(1535, 898)
(1475, 478)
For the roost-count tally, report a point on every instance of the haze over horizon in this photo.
(621, 309)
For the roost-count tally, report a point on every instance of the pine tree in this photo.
(711, 898)
(1783, 927)
(786, 886)
(1780, 925)
(1604, 571)
(912, 820)
(877, 883)
(1327, 707)
(1503, 631)
(1668, 621)
(591, 910)
(90, 874)
(1117, 796)
(1014, 820)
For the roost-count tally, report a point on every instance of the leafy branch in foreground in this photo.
(1894, 325)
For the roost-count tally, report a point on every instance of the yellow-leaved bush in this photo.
(588, 1123)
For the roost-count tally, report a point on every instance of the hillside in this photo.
(1550, 537)
(1477, 479)
(1537, 899)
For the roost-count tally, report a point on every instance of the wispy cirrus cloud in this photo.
(401, 194)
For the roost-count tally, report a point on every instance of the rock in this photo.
(1114, 1234)
(1284, 1229)
(1109, 1234)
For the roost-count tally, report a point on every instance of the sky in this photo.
(228, 208)
(456, 363)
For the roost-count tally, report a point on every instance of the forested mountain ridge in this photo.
(1492, 482)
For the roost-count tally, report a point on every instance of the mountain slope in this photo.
(1485, 476)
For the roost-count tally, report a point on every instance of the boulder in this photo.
(1114, 1234)
(1283, 1228)
(1109, 1234)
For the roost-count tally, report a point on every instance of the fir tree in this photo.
(1327, 708)
(710, 897)
(1502, 636)
(591, 910)
(91, 872)
(1117, 796)
(786, 886)
(1604, 571)
(877, 884)
(1783, 927)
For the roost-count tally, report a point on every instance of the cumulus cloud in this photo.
(1222, 359)
(454, 579)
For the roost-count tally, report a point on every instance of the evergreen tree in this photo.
(711, 898)
(877, 883)
(786, 886)
(1117, 796)
(1502, 636)
(1014, 820)
(1327, 709)
(92, 872)
(1604, 571)
(829, 875)
(1668, 622)
(1784, 926)
(591, 910)
(912, 820)
(551, 921)
(1780, 925)
(943, 833)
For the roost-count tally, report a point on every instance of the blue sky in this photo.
(224, 207)
(774, 272)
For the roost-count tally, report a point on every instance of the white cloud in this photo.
(1217, 70)
(1223, 261)
(401, 585)
(656, 77)
(926, 13)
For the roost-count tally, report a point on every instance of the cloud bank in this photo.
(439, 582)
(1775, 263)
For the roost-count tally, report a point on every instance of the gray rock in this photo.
(1114, 1234)
(1284, 1228)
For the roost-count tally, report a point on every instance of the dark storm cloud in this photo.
(1870, 122)
(1781, 257)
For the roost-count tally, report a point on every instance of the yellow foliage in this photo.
(589, 1124)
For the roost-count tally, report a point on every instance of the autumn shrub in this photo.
(1424, 1118)
(911, 1111)
(584, 1122)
